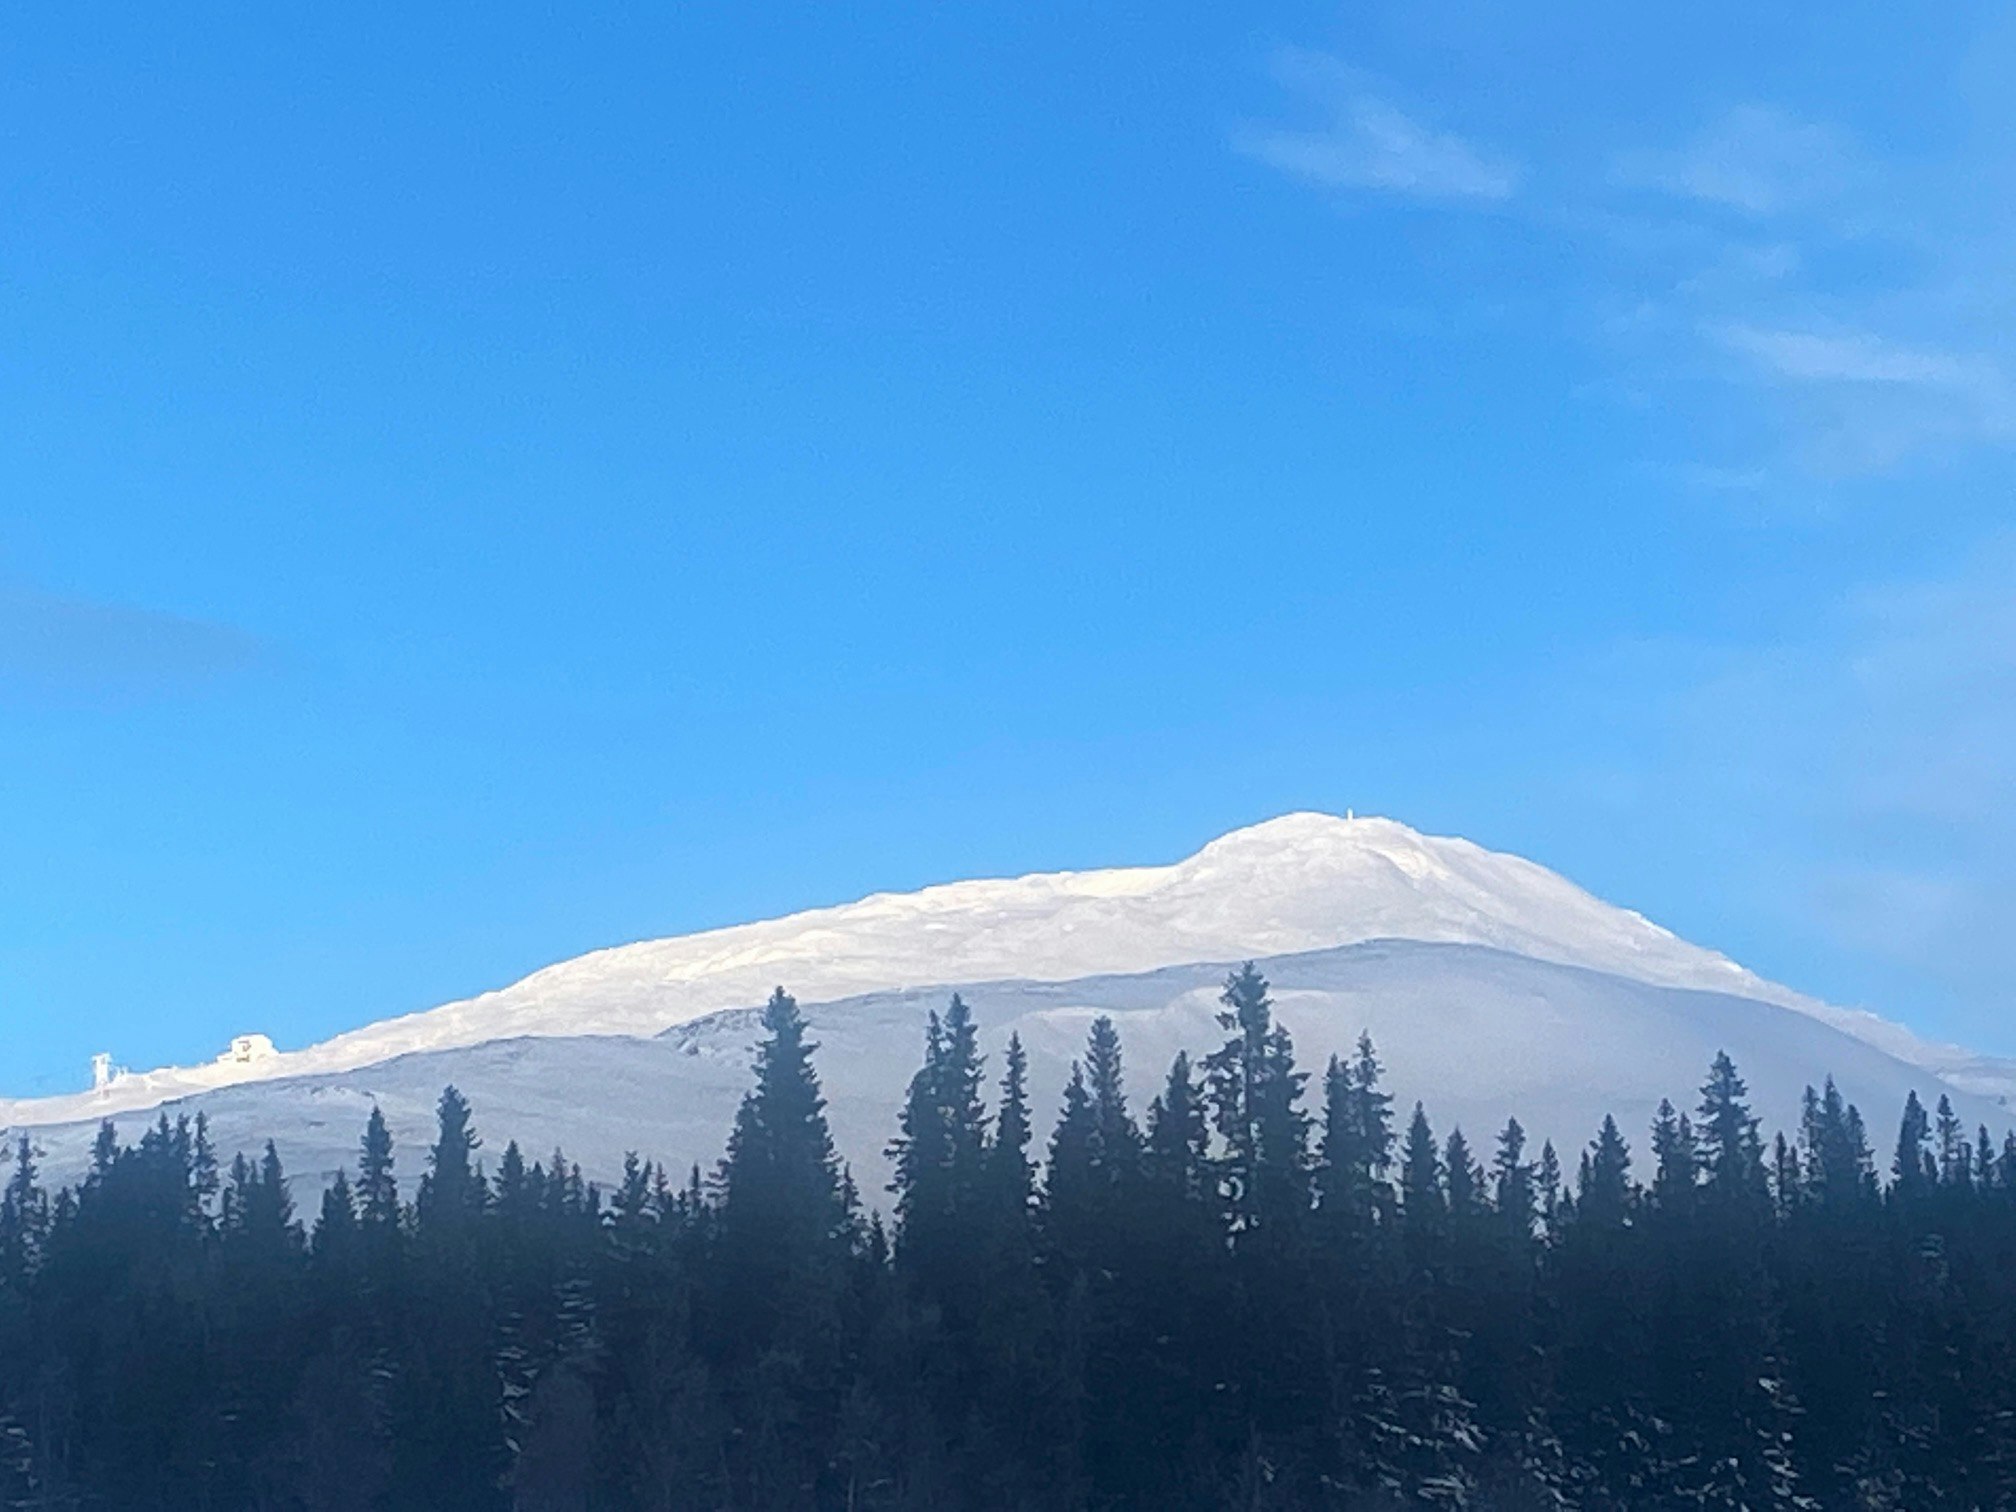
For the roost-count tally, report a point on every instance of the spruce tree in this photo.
(1421, 1192)
(1071, 1187)
(1603, 1197)
(1375, 1116)
(1254, 1092)
(448, 1406)
(267, 1220)
(1731, 1155)
(1355, 1147)
(1177, 1151)
(1011, 1177)
(920, 1152)
(940, 1156)
(1835, 1159)
(1788, 1180)
(1862, 1158)
(1118, 1142)
(511, 1191)
(24, 1216)
(1513, 1182)
(1912, 1168)
(1548, 1185)
(781, 1217)
(1676, 1174)
(1465, 1178)
(453, 1192)
(1956, 1154)
(203, 1176)
(335, 1237)
(1338, 1147)
(1095, 1154)
(377, 1185)
(780, 1147)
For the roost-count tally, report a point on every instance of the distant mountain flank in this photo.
(1479, 1035)
(1303, 883)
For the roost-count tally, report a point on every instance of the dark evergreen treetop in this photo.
(1514, 1186)
(1463, 1178)
(1421, 1189)
(1676, 1173)
(453, 1191)
(1604, 1195)
(1355, 1145)
(1731, 1152)
(780, 1180)
(1912, 1167)
(1177, 1150)
(1254, 1092)
(377, 1185)
(24, 1216)
(1011, 1176)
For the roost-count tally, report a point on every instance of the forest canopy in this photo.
(1267, 1288)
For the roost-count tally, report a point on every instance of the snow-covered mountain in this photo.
(581, 1052)
(1476, 1034)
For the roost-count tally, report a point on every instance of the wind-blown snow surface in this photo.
(1478, 1034)
(1301, 883)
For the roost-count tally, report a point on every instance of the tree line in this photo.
(1257, 1293)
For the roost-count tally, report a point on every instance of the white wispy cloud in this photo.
(1812, 307)
(1366, 142)
(1848, 309)
(1754, 158)
(1861, 403)
(1859, 357)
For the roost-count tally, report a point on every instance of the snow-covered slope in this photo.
(1477, 1034)
(1299, 883)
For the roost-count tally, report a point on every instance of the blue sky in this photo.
(483, 485)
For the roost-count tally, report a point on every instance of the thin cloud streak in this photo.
(1368, 143)
(51, 645)
(1756, 159)
(1863, 404)
(1857, 357)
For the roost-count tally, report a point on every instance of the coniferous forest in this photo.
(1239, 1285)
